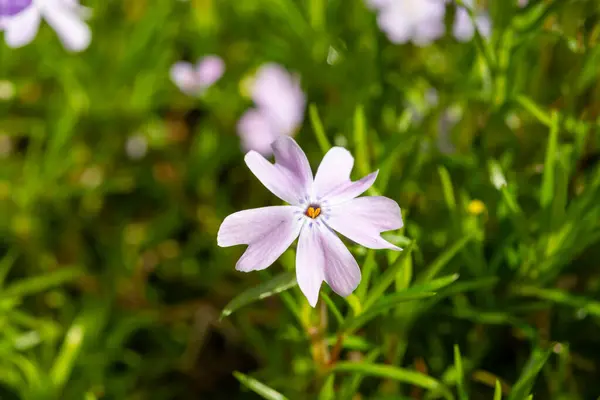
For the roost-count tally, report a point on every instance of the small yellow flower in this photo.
(476, 207)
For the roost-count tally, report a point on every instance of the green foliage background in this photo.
(112, 284)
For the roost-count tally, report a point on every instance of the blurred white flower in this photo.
(523, 3)
(195, 79)
(20, 20)
(418, 21)
(136, 147)
(279, 110)
(7, 89)
(464, 29)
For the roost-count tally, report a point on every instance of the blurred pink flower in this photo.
(279, 110)
(523, 3)
(317, 207)
(418, 21)
(464, 29)
(20, 20)
(195, 79)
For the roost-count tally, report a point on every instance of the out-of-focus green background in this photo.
(112, 283)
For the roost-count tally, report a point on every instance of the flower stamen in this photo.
(313, 211)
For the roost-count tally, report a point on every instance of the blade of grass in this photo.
(447, 188)
(333, 308)
(367, 270)
(498, 391)
(384, 304)
(535, 110)
(522, 387)
(440, 262)
(318, 129)
(590, 305)
(258, 387)
(351, 387)
(29, 286)
(388, 277)
(6, 264)
(276, 285)
(360, 141)
(63, 365)
(460, 374)
(396, 373)
(547, 192)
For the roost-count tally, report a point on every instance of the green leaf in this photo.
(40, 283)
(437, 284)
(547, 192)
(388, 302)
(590, 305)
(276, 285)
(460, 374)
(388, 276)
(63, 365)
(328, 390)
(360, 141)
(447, 188)
(366, 271)
(351, 386)
(332, 307)
(318, 129)
(384, 304)
(396, 373)
(258, 387)
(440, 262)
(6, 264)
(483, 45)
(535, 110)
(589, 72)
(522, 387)
(498, 391)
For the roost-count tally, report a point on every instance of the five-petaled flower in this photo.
(279, 110)
(195, 79)
(464, 28)
(417, 21)
(20, 20)
(317, 207)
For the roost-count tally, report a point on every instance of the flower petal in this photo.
(268, 231)
(290, 178)
(333, 171)
(69, 25)
(395, 25)
(463, 28)
(209, 70)
(310, 263)
(340, 268)
(21, 29)
(255, 132)
(350, 190)
(280, 97)
(363, 219)
(183, 75)
(290, 156)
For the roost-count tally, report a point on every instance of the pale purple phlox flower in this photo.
(279, 108)
(318, 207)
(193, 79)
(20, 21)
(417, 21)
(464, 28)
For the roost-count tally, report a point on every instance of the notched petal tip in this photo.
(281, 141)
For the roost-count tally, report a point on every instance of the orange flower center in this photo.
(313, 211)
